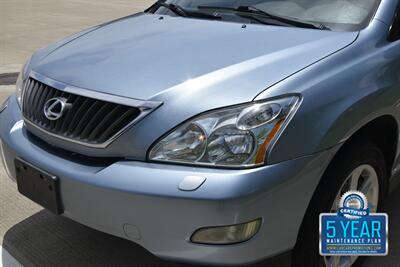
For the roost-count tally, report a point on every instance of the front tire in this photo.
(359, 166)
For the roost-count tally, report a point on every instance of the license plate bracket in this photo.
(38, 185)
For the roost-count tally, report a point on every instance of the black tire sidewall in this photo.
(306, 252)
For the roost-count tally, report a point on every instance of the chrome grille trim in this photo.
(94, 94)
(145, 107)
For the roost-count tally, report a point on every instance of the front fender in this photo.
(341, 93)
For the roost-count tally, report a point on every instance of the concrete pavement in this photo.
(27, 25)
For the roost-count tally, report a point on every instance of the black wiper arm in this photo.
(256, 11)
(180, 11)
(289, 21)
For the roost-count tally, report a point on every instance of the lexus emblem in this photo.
(55, 108)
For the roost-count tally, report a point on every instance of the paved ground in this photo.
(27, 25)
(34, 236)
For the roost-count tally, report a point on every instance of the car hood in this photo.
(145, 57)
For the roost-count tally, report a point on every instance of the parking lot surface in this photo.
(35, 237)
(27, 25)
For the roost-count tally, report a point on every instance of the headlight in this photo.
(20, 83)
(231, 137)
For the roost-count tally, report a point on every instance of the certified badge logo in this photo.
(353, 230)
(353, 205)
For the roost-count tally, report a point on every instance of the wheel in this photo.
(359, 166)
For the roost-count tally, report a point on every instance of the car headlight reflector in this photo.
(230, 137)
(229, 145)
(188, 144)
(258, 115)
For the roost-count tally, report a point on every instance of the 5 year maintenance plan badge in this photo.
(353, 230)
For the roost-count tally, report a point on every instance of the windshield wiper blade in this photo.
(182, 12)
(252, 10)
(178, 10)
(290, 21)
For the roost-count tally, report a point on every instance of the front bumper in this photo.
(141, 201)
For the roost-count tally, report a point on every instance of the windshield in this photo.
(345, 15)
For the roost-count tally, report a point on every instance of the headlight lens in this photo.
(231, 137)
(187, 145)
(20, 83)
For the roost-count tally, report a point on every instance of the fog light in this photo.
(223, 235)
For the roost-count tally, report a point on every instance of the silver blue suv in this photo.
(211, 131)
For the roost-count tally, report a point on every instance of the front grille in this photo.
(87, 120)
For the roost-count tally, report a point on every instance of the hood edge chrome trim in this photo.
(146, 107)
